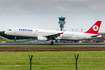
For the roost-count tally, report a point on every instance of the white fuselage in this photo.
(43, 33)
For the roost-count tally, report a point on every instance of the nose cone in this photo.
(6, 32)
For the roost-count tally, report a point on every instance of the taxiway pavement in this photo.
(91, 45)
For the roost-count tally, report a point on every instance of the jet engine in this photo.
(41, 38)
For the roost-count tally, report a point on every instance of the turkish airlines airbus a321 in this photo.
(46, 35)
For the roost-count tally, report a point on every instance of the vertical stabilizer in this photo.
(95, 28)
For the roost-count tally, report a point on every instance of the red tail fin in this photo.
(95, 28)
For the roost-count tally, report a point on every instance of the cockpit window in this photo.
(9, 29)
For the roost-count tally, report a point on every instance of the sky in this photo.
(44, 14)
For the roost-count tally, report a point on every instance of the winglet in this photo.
(95, 28)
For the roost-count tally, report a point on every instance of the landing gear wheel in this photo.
(52, 43)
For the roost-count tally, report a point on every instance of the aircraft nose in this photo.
(5, 32)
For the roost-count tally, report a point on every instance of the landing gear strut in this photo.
(15, 39)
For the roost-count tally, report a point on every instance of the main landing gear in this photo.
(52, 42)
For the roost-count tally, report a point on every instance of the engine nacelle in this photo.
(41, 38)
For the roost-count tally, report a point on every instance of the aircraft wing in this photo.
(53, 36)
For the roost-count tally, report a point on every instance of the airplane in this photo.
(51, 35)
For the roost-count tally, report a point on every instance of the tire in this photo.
(52, 43)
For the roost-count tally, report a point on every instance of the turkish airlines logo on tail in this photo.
(95, 28)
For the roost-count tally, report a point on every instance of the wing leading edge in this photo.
(53, 36)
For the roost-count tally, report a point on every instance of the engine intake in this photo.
(41, 38)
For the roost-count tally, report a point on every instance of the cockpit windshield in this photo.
(9, 30)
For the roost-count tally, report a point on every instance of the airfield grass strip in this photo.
(52, 48)
(52, 60)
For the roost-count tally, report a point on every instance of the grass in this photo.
(3, 38)
(52, 60)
